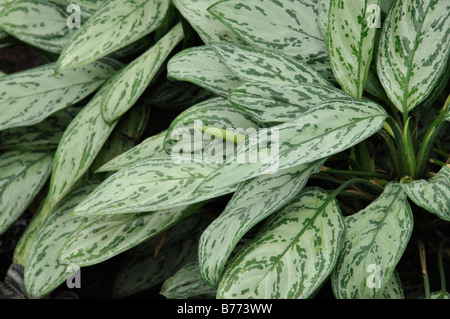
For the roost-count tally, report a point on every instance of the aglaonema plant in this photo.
(351, 95)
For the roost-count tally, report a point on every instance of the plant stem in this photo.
(410, 155)
(428, 141)
(348, 183)
(393, 154)
(423, 264)
(398, 133)
(441, 266)
(355, 173)
(327, 178)
(363, 157)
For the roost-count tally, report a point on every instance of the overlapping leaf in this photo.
(88, 6)
(47, 93)
(43, 272)
(292, 255)
(22, 175)
(207, 26)
(150, 185)
(28, 20)
(289, 26)
(151, 147)
(103, 237)
(432, 195)
(113, 26)
(327, 129)
(80, 144)
(43, 136)
(414, 50)
(252, 202)
(184, 136)
(375, 239)
(124, 89)
(280, 103)
(263, 65)
(201, 66)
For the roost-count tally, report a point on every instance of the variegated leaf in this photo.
(292, 255)
(145, 268)
(40, 23)
(323, 10)
(414, 49)
(88, 7)
(432, 195)
(104, 237)
(184, 136)
(264, 65)
(43, 136)
(351, 38)
(187, 283)
(375, 239)
(252, 202)
(123, 90)
(327, 129)
(205, 24)
(125, 136)
(80, 144)
(393, 289)
(201, 66)
(43, 272)
(47, 93)
(22, 175)
(289, 26)
(151, 147)
(270, 103)
(113, 26)
(150, 185)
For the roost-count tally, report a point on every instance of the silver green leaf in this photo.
(150, 147)
(22, 175)
(432, 195)
(393, 289)
(113, 26)
(184, 131)
(252, 202)
(327, 129)
(150, 185)
(104, 237)
(205, 24)
(42, 136)
(375, 239)
(253, 64)
(187, 283)
(289, 26)
(440, 295)
(40, 23)
(47, 93)
(413, 51)
(43, 272)
(88, 7)
(323, 10)
(201, 66)
(80, 144)
(123, 90)
(292, 255)
(270, 103)
(351, 38)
